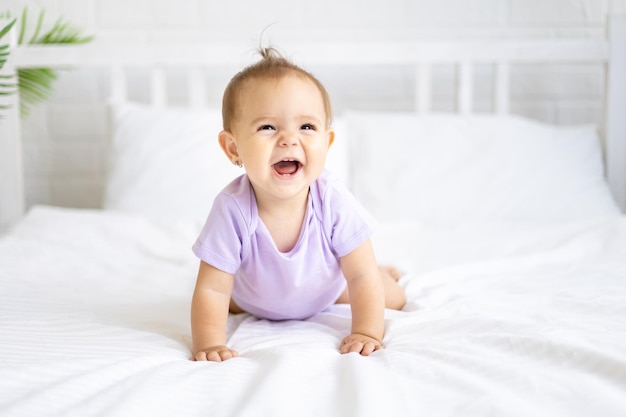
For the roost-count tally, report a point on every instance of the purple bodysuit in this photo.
(275, 285)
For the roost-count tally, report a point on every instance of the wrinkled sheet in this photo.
(502, 320)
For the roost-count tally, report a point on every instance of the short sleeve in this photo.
(346, 222)
(223, 237)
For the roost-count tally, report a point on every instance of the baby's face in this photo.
(281, 136)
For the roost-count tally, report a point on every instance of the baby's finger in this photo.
(227, 354)
(347, 346)
(368, 349)
(200, 356)
(213, 356)
(356, 347)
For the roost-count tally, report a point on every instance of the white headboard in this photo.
(503, 54)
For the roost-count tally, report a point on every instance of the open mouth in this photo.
(287, 167)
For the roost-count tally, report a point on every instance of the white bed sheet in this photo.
(502, 319)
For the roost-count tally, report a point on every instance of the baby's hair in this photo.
(272, 65)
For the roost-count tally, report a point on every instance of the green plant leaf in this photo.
(38, 27)
(6, 89)
(7, 28)
(36, 84)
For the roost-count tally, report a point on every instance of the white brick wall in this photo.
(66, 138)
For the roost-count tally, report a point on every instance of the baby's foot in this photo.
(391, 271)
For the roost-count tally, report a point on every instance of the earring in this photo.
(238, 163)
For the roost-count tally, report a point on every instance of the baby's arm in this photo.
(367, 301)
(209, 314)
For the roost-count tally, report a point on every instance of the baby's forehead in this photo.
(261, 81)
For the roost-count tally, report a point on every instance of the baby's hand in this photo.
(215, 354)
(359, 343)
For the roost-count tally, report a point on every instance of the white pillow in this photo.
(167, 162)
(451, 168)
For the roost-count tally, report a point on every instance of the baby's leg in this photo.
(394, 294)
(392, 271)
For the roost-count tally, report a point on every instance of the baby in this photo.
(285, 240)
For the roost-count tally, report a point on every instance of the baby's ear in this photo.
(331, 136)
(229, 146)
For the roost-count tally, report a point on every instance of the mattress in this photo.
(503, 318)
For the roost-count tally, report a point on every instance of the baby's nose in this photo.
(289, 139)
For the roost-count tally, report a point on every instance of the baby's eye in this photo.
(307, 126)
(267, 127)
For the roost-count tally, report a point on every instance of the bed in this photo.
(510, 233)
